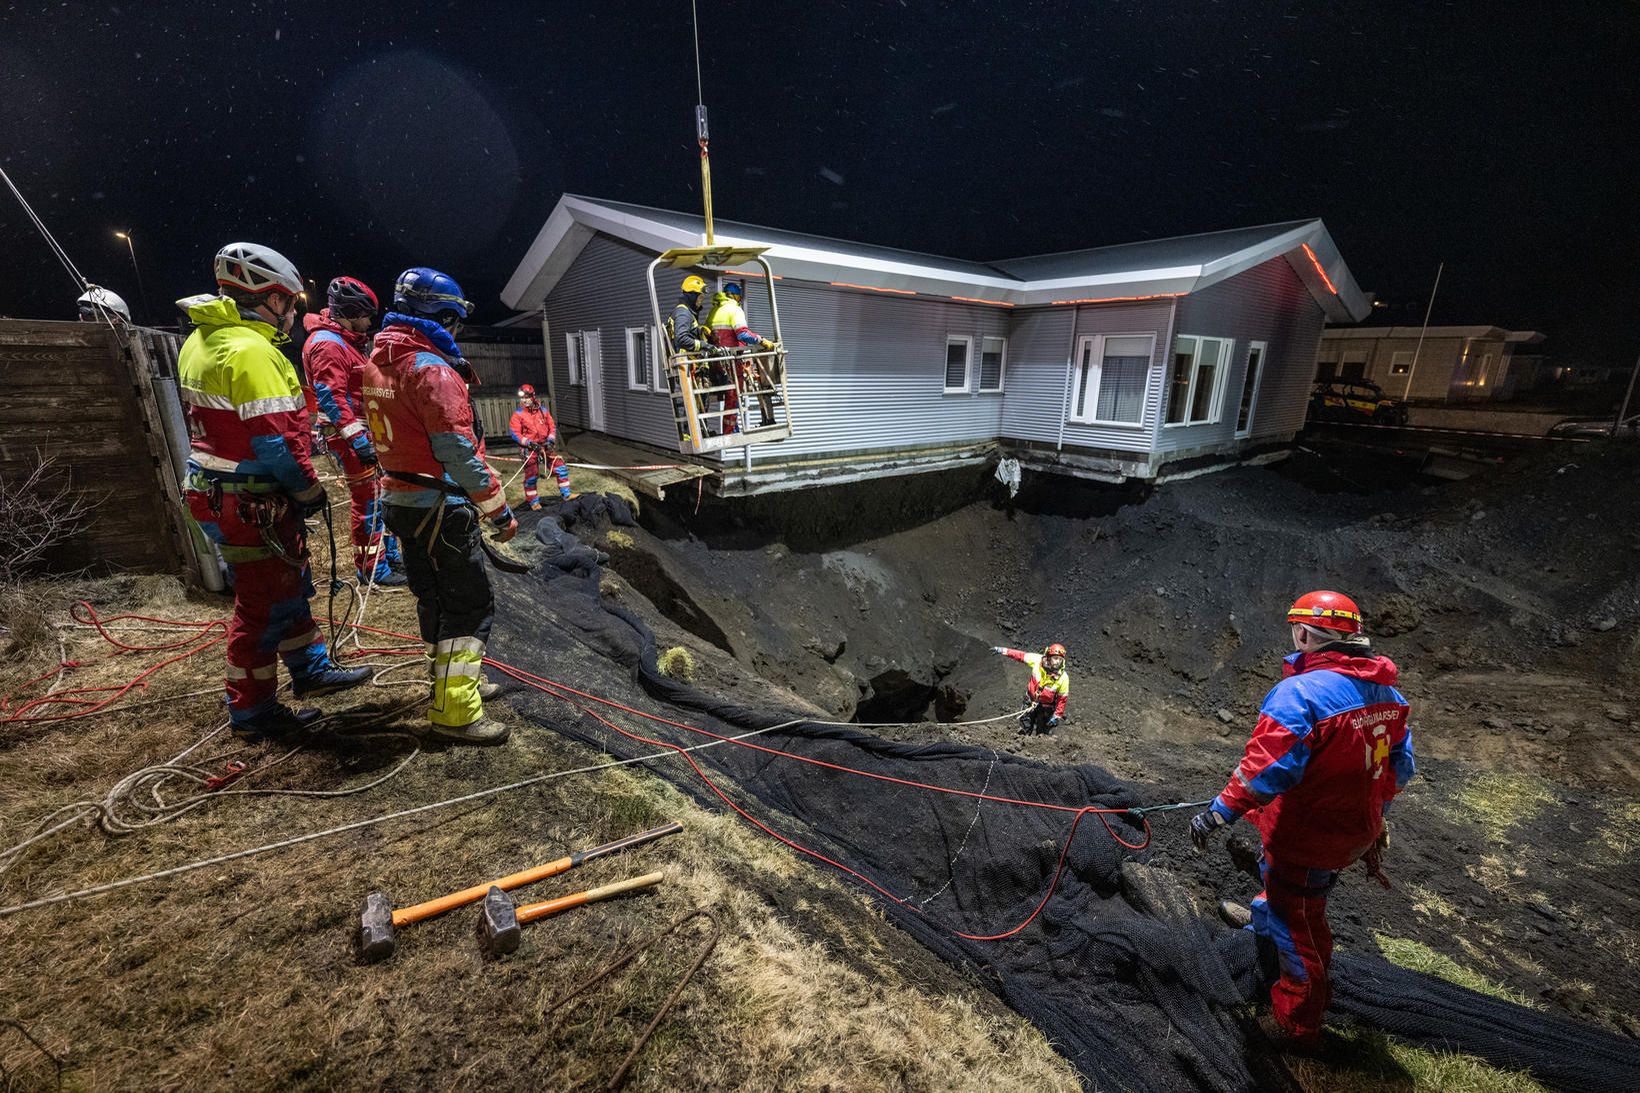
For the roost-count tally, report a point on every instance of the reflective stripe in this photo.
(264, 672)
(280, 404)
(209, 402)
(461, 668)
(494, 504)
(233, 554)
(312, 637)
(352, 429)
(458, 645)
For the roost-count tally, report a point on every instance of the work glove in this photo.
(999, 650)
(1053, 722)
(1202, 827)
(765, 344)
(311, 500)
(505, 524)
(364, 449)
(550, 443)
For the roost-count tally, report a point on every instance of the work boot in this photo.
(386, 578)
(484, 732)
(278, 720)
(488, 690)
(329, 681)
(1234, 914)
(1286, 1042)
(534, 506)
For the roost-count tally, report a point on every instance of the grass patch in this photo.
(618, 539)
(1418, 957)
(677, 663)
(1367, 1061)
(1499, 801)
(1621, 831)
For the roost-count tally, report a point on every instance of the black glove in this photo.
(311, 500)
(1373, 859)
(1203, 825)
(1053, 722)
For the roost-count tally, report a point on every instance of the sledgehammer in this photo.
(500, 921)
(379, 923)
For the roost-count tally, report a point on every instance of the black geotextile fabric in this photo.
(1135, 988)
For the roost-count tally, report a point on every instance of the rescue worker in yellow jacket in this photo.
(1048, 690)
(729, 331)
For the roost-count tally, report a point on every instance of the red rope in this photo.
(216, 630)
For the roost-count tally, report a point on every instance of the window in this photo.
(640, 360)
(1195, 388)
(1353, 368)
(1326, 371)
(993, 361)
(958, 351)
(1400, 362)
(1108, 378)
(574, 352)
(1249, 388)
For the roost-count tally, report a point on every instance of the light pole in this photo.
(141, 291)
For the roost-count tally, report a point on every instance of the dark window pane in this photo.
(956, 366)
(1255, 361)
(1178, 385)
(1122, 389)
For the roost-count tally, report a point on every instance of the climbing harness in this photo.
(435, 517)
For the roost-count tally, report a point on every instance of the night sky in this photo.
(1501, 138)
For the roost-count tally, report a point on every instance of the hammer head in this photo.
(376, 940)
(498, 929)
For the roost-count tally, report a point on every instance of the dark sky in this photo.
(1501, 138)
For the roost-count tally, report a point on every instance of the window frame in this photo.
(1096, 371)
(1215, 406)
(967, 341)
(1002, 366)
(575, 357)
(1263, 348)
(1398, 367)
(648, 384)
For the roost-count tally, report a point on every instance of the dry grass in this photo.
(242, 975)
(678, 663)
(1421, 958)
(1497, 801)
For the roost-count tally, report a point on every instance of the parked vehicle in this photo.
(1355, 401)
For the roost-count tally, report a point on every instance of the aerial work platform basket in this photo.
(724, 397)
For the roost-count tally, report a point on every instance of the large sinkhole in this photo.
(897, 697)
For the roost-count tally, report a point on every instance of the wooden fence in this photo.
(85, 395)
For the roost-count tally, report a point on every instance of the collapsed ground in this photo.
(1510, 850)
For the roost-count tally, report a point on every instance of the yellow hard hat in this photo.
(693, 284)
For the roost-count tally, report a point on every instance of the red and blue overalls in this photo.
(334, 358)
(1330, 751)
(532, 425)
(249, 468)
(417, 406)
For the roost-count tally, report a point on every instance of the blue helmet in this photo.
(427, 292)
(734, 288)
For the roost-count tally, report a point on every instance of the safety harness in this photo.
(435, 519)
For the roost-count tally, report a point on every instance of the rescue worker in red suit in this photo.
(1047, 692)
(536, 435)
(334, 358)
(1329, 753)
(251, 481)
(438, 492)
(729, 331)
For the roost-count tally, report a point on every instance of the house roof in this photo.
(1153, 268)
(1492, 333)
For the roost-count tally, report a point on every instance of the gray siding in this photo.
(1147, 317)
(867, 370)
(1267, 303)
(606, 289)
(1039, 356)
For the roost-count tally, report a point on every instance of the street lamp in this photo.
(141, 291)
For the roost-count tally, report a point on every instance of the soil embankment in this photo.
(1511, 602)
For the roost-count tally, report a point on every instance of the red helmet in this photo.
(1327, 610)
(351, 298)
(1054, 650)
(526, 390)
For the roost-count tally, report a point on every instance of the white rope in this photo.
(51, 240)
(476, 795)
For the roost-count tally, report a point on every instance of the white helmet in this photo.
(96, 303)
(255, 269)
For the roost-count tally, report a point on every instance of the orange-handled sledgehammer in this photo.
(379, 923)
(500, 921)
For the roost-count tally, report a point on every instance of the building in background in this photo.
(1135, 361)
(1453, 364)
